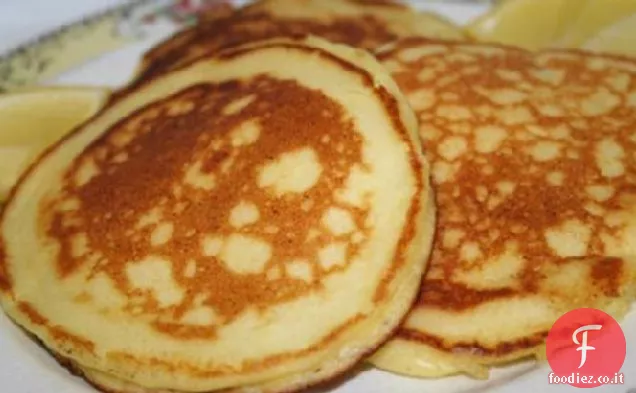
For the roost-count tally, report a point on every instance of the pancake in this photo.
(233, 225)
(359, 23)
(532, 162)
(217, 12)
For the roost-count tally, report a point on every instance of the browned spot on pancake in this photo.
(187, 332)
(457, 296)
(5, 278)
(606, 275)
(56, 332)
(142, 183)
(61, 335)
(474, 348)
(32, 314)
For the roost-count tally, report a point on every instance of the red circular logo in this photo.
(586, 348)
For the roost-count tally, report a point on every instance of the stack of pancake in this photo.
(264, 205)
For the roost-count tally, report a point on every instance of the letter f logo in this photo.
(583, 343)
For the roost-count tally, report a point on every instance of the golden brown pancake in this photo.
(234, 225)
(359, 23)
(533, 163)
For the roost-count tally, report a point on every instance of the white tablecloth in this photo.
(23, 20)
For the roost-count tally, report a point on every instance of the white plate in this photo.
(26, 368)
